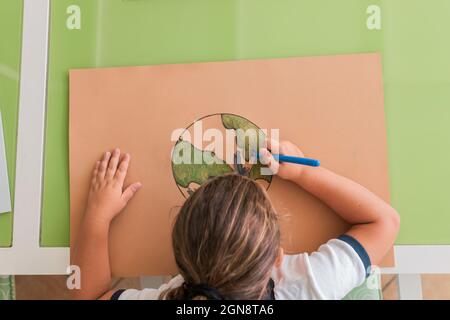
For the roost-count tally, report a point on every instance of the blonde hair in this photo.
(225, 237)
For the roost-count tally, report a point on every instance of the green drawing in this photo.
(191, 166)
(231, 121)
(255, 173)
(187, 173)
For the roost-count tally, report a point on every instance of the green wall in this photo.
(416, 67)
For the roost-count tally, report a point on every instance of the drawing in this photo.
(189, 176)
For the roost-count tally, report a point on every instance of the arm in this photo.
(375, 223)
(106, 200)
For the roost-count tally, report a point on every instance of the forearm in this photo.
(92, 256)
(107, 198)
(375, 223)
(353, 202)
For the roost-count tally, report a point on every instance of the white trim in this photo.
(28, 261)
(153, 282)
(416, 259)
(409, 287)
(31, 124)
(26, 256)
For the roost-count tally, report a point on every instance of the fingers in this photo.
(131, 191)
(121, 172)
(273, 145)
(267, 159)
(112, 166)
(103, 166)
(95, 173)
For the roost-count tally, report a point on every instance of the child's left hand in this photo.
(106, 195)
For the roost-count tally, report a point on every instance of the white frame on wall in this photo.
(26, 256)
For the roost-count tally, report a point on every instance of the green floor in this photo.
(416, 69)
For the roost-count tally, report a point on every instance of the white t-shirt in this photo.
(329, 273)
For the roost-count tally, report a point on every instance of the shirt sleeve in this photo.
(147, 294)
(359, 249)
(329, 273)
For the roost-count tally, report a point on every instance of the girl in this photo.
(226, 238)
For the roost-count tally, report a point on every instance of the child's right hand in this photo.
(286, 171)
(107, 194)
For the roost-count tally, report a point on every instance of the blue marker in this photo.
(298, 160)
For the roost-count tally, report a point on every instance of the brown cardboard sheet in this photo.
(331, 106)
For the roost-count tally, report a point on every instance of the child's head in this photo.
(226, 237)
